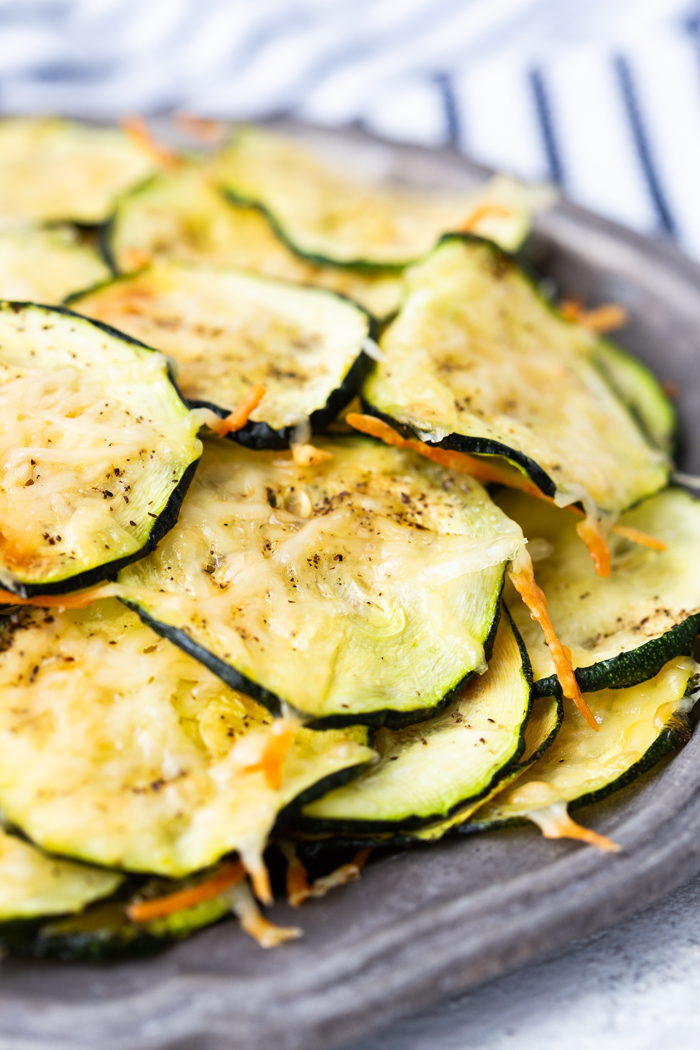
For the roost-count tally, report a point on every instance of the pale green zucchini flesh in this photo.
(119, 749)
(97, 452)
(182, 215)
(638, 726)
(227, 330)
(32, 883)
(53, 169)
(478, 362)
(428, 771)
(364, 588)
(329, 218)
(622, 629)
(639, 389)
(46, 265)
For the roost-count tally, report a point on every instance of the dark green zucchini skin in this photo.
(675, 735)
(359, 265)
(260, 435)
(375, 719)
(632, 667)
(473, 445)
(163, 523)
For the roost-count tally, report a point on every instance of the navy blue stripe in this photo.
(643, 146)
(453, 121)
(544, 118)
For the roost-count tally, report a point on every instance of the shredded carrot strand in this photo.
(523, 579)
(298, 888)
(597, 547)
(483, 469)
(212, 131)
(297, 882)
(138, 131)
(79, 600)
(281, 736)
(604, 318)
(160, 907)
(483, 211)
(239, 417)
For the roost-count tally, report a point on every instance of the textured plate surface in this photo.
(438, 919)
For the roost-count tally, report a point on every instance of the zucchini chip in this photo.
(329, 218)
(623, 629)
(97, 452)
(117, 748)
(47, 265)
(182, 215)
(362, 588)
(478, 362)
(228, 330)
(34, 884)
(638, 726)
(429, 771)
(53, 169)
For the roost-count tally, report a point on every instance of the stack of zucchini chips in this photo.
(279, 452)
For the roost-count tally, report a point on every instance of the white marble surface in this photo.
(635, 986)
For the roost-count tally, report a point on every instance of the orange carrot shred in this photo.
(76, 600)
(160, 907)
(297, 881)
(604, 318)
(138, 131)
(523, 579)
(642, 538)
(298, 888)
(212, 131)
(483, 211)
(239, 417)
(276, 750)
(555, 823)
(597, 547)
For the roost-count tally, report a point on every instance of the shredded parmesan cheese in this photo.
(254, 923)
(555, 823)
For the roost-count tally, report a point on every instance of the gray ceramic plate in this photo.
(433, 920)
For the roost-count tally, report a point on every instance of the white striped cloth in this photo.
(602, 96)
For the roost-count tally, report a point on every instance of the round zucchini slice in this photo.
(329, 218)
(117, 748)
(183, 215)
(429, 771)
(228, 330)
(361, 589)
(32, 883)
(53, 169)
(478, 362)
(98, 451)
(45, 265)
(638, 726)
(623, 629)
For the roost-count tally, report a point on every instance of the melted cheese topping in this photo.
(476, 352)
(32, 883)
(118, 748)
(47, 265)
(228, 330)
(648, 592)
(182, 215)
(367, 581)
(56, 169)
(93, 440)
(323, 212)
(581, 762)
(426, 770)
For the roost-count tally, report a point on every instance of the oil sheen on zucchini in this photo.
(623, 629)
(430, 770)
(45, 265)
(119, 749)
(638, 726)
(32, 883)
(97, 453)
(53, 169)
(364, 588)
(183, 215)
(477, 361)
(329, 218)
(228, 329)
